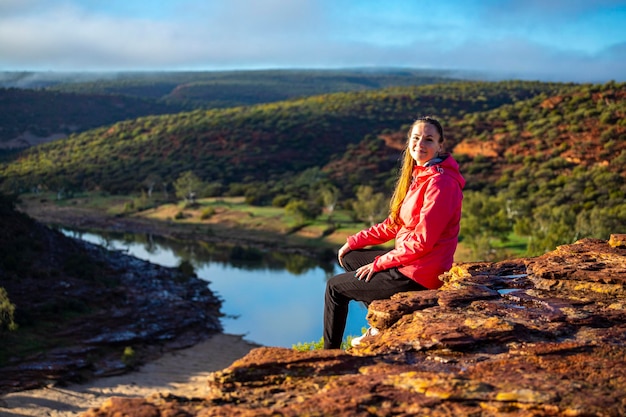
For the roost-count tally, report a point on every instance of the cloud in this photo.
(69, 38)
(230, 33)
(518, 58)
(13, 6)
(546, 10)
(512, 36)
(269, 17)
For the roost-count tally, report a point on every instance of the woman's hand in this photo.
(342, 252)
(365, 272)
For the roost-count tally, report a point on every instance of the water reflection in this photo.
(273, 298)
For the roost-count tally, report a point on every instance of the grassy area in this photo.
(93, 201)
(319, 344)
(515, 245)
(228, 218)
(234, 213)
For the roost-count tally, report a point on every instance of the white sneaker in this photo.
(371, 331)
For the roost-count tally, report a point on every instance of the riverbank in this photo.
(181, 372)
(231, 222)
(81, 312)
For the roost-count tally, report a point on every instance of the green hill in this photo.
(41, 107)
(31, 116)
(265, 143)
(220, 89)
(552, 168)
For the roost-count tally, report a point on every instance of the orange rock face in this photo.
(541, 336)
(473, 148)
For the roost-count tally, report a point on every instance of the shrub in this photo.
(129, 357)
(306, 346)
(129, 207)
(235, 189)
(281, 200)
(213, 189)
(207, 213)
(257, 197)
(186, 268)
(7, 311)
(302, 210)
(319, 345)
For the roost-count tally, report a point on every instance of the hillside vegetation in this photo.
(552, 168)
(262, 144)
(29, 116)
(544, 162)
(41, 107)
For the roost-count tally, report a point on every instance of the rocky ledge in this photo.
(133, 311)
(541, 336)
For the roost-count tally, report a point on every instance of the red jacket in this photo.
(430, 215)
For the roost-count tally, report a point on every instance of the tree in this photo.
(330, 196)
(485, 219)
(166, 194)
(551, 227)
(152, 181)
(302, 210)
(187, 186)
(370, 207)
(601, 222)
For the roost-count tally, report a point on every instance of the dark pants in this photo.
(343, 288)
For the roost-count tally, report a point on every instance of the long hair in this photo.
(406, 170)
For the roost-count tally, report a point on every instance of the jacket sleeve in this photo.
(375, 235)
(439, 207)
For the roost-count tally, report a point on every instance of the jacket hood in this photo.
(447, 166)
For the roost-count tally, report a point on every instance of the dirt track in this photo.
(182, 372)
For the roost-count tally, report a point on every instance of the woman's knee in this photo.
(353, 260)
(331, 286)
(337, 287)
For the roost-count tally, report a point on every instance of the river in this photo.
(273, 299)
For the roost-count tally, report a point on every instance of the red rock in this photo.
(544, 336)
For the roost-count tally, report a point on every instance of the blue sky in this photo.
(561, 40)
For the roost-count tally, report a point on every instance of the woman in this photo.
(424, 216)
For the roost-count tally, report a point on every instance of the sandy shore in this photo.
(182, 372)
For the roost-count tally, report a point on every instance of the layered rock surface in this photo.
(542, 336)
(146, 307)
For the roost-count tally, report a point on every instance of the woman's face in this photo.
(424, 143)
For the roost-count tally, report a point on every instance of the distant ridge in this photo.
(385, 77)
(47, 105)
